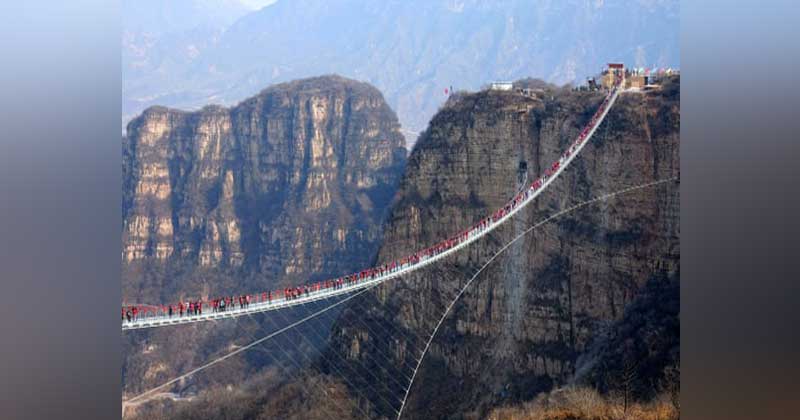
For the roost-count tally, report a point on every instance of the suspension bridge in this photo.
(368, 278)
(387, 397)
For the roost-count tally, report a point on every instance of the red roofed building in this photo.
(613, 70)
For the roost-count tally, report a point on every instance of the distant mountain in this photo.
(159, 17)
(411, 50)
(161, 38)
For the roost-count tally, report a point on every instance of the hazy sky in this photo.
(222, 51)
(257, 4)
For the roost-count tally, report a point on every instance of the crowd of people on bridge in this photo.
(133, 313)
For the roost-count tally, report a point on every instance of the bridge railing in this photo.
(259, 302)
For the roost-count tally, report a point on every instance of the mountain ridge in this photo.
(411, 50)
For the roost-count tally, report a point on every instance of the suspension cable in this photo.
(506, 246)
(254, 343)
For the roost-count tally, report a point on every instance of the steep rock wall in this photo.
(521, 328)
(290, 185)
(286, 187)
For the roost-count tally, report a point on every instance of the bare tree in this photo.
(670, 384)
(627, 380)
(624, 379)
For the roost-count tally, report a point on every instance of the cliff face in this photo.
(289, 185)
(521, 328)
(286, 187)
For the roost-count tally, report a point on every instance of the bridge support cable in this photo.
(381, 366)
(386, 368)
(356, 375)
(497, 361)
(321, 354)
(502, 250)
(299, 367)
(410, 336)
(297, 373)
(383, 354)
(382, 397)
(339, 368)
(247, 347)
(380, 344)
(389, 344)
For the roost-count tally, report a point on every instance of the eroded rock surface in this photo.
(291, 184)
(287, 187)
(521, 328)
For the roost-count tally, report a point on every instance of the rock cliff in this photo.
(286, 186)
(519, 330)
(557, 302)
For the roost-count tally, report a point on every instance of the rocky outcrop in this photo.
(557, 301)
(289, 185)
(521, 328)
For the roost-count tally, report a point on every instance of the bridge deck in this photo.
(527, 195)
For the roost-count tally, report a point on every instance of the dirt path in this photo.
(161, 395)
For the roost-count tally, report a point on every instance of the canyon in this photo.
(570, 303)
